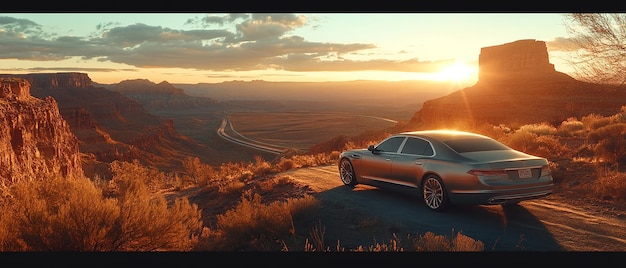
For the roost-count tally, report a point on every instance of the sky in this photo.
(300, 47)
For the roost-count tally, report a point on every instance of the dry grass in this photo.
(60, 214)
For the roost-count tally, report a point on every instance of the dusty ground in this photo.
(574, 185)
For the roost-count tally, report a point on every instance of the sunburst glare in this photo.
(457, 72)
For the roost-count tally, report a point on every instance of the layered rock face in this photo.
(35, 141)
(58, 80)
(517, 60)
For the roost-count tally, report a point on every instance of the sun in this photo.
(456, 72)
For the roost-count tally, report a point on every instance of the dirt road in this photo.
(366, 215)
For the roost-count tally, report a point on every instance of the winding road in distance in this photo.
(235, 137)
(245, 141)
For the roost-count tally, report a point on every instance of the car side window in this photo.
(418, 147)
(390, 145)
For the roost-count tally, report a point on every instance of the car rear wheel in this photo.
(346, 172)
(434, 193)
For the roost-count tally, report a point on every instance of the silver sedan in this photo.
(449, 168)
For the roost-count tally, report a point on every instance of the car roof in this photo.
(444, 134)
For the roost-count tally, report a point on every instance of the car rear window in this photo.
(475, 145)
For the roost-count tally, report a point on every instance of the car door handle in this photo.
(419, 163)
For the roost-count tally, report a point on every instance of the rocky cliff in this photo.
(516, 60)
(517, 85)
(111, 126)
(35, 141)
(58, 80)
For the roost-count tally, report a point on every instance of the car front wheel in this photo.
(346, 172)
(434, 193)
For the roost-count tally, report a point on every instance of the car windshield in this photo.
(475, 145)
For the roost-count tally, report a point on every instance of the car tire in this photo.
(346, 172)
(434, 193)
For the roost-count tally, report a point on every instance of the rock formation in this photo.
(517, 85)
(35, 141)
(58, 80)
(511, 60)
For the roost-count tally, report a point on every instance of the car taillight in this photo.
(488, 172)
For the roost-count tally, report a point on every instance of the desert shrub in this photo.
(58, 215)
(334, 144)
(285, 164)
(260, 167)
(459, 242)
(571, 127)
(73, 215)
(302, 207)
(345, 142)
(595, 121)
(621, 116)
(229, 172)
(333, 156)
(129, 174)
(551, 147)
(610, 143)
(463, 243)
(147, 224)
(310, 160)
(496, 132)
(611, 184)
(200, 173)
(522, 140)
(9, 237)
(539, 129)
(432, 242)
(254, 226)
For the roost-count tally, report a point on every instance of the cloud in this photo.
(240, 42)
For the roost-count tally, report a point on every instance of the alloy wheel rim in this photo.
(433, 193)
(346, 172)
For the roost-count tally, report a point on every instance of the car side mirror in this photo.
(372, 149)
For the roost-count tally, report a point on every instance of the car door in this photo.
(407, 166)
(376, 165)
